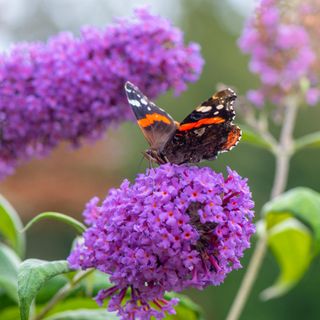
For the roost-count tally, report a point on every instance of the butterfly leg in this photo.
(150, 163)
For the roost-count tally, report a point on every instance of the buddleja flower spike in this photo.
(72, 89)
(175, 227)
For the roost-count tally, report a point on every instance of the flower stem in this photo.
(283, 155)
(63, 292)
(284, 151)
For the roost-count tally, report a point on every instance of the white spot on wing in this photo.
(143, 101)
(200, 132)
(135, 103)
(149, 109)
(220, 106)
(204, 108)
(230, 106)
(215, 113)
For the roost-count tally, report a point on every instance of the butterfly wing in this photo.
(156, 125)
(207, 131)
(217, 109)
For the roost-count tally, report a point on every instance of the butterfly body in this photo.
(202, 135)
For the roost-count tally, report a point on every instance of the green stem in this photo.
(63, 292)
(283, 155)
(284, 151)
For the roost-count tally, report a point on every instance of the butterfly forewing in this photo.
(156, 124)
(206, 131)
(217, 109)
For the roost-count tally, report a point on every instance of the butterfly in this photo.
(202, 135)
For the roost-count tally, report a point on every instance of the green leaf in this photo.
(73, 303)
(291, 244)
(186, 308)
(308, 141)
(84, 314)
(292, 223)
(301, 203)
(32, 275)
(77, 305)
(10, 226)
(51, 288)
(80, 228)
(9, 264)
(11, 313)
(5, 300)
(249, 136)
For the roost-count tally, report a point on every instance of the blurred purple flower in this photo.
(72, 88)
(312, 96)
(175, 227)
(283, 44)
(256, 97)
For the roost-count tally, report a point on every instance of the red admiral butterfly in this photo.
(205, 132)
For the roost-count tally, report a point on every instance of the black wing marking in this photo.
(218, 105)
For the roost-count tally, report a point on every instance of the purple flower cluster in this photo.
(283, 48)
(175, 227)
(72, 88)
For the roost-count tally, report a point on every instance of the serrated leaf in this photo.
(10, 226)
(291, 244)
(78, 226)
(293, 229)
(308, 141)
(9, 264)
(84, 314)
(249, 136)
(32, 275)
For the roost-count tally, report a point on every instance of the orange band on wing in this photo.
(151, 118)
(202, 122)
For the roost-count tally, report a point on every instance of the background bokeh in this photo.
(67, 179)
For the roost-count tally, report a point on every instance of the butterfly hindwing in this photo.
(156, 124)
(234, 136)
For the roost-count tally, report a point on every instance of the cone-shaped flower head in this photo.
(175, 227)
